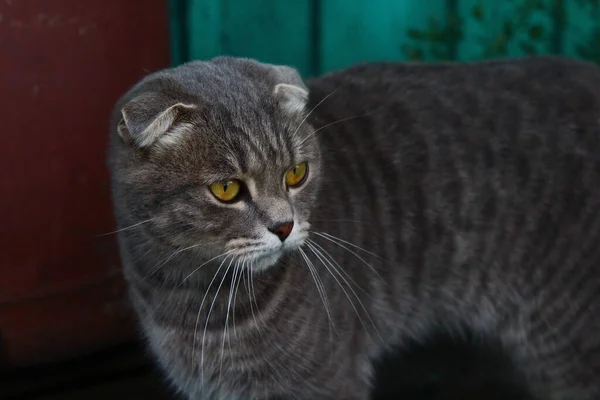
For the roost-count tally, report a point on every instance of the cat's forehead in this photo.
(225, 117)
(220, 142)
(260, 145)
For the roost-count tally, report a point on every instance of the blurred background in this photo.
(317, 36)
(66, 330)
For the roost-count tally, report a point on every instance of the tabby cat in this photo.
(278, 236)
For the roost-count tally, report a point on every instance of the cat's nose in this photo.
(282, 230)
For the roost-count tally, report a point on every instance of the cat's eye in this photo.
(296, 175)
(226, 191)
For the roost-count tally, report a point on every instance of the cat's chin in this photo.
(264, 262)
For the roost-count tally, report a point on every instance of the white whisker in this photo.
(337, 241)
(240, 277)
(157, 267)
(350, 244)
(260, 323)
(355, 221)
(276, 365)
(252, 287)
(311, 111)
(198, 320)
(226, 328)
(196, 270)
(321, 290)
(252, 295)
(249, 291)
(208, 315)
(340, 285)
(212, 304)
(126, 228)
(339, 267)
(325, 261)
(332, 123)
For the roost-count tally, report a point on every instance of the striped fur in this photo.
(439, 196)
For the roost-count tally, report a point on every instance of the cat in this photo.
(278, 236)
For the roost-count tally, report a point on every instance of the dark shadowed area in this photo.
(440, 369)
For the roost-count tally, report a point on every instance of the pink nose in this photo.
(283, 230)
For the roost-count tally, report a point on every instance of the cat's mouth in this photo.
(262, 258)
(263, 254)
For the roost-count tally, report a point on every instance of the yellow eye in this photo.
(226, 190)
(295, 175)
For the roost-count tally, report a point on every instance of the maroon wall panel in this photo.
(63, 64)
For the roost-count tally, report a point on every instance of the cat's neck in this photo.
(193, 273)
(211, 292)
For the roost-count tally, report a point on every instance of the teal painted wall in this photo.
(317, 36)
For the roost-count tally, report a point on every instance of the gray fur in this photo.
(471, 189)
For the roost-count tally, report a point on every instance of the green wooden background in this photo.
(317, 36)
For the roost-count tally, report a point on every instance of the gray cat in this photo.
(278, 237)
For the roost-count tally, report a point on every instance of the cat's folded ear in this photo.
(292, 98)
(149, 118)
(291, 92)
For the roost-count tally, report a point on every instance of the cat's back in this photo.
(512, 116)
(495, 165)
(380, 84)
(491, 96)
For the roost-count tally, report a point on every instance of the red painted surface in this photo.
(63, 64)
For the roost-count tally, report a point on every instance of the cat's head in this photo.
(218, 158)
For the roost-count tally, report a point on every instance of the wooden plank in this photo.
(178, 33)
(370, 30)
(271, 31)
(579, 32)
(204, 29)
(493, 29)
(480, 23)
(535, 29)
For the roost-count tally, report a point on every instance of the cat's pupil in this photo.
(225, 186)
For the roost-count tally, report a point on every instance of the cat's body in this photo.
(472, 189)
